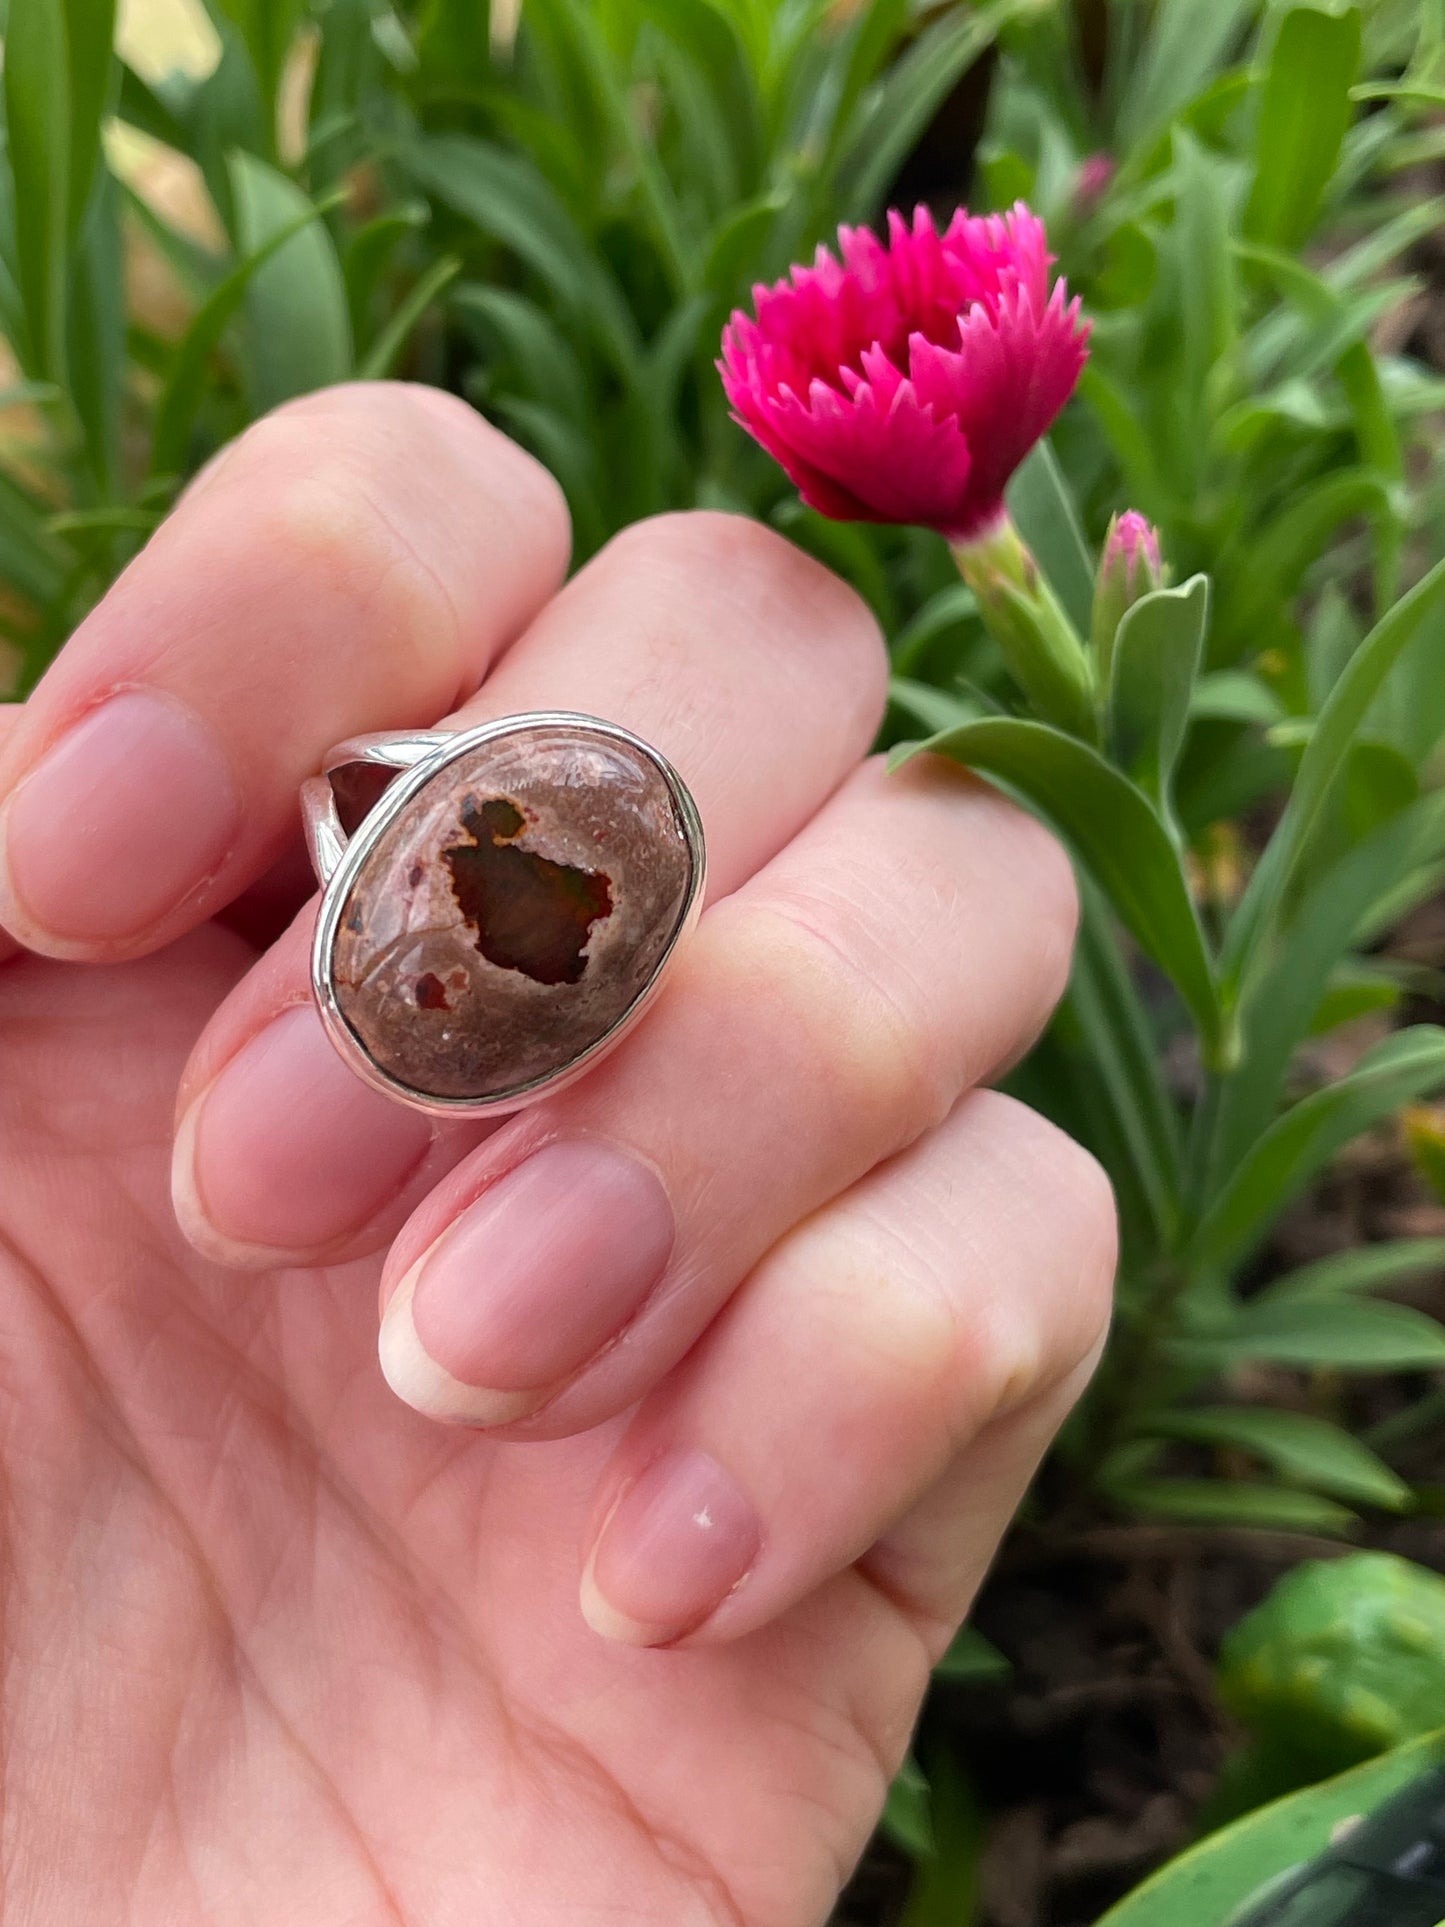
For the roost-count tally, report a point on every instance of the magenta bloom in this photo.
(907, 384)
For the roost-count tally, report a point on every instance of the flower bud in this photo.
(1131, 569)
(1021, 612)
(1092, 182)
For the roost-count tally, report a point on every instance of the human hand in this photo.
(778, 1308)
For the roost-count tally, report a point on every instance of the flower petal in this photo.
(1013, 370)
(890, 455)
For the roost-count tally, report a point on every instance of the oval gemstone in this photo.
(515, 910)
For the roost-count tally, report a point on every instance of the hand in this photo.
(770, 1317)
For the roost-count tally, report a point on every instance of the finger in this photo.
(760, 675)
(930, 1326)
(352, 563)
(10, 714)
(907, 943)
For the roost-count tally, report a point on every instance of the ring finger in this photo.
(353, 562)
(903, 947)
(880, 1389)
(756, 672)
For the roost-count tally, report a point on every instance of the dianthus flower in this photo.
(906, 382)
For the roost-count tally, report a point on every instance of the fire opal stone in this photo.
(514, 912)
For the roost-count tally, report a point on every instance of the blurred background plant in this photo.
(550, 206)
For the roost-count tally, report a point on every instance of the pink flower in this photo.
(907, 384)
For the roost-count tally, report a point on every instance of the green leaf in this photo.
(1385, 243)
(738, 244)
(31, 562)
(190, 369)
(1348, 1334)
(1323, 761)
(1204, 220)
(1304, 112)
(137, 521)
(1114, 828)
(885, 132)
(96, 337)
(1113, 404)
(1277, 1012)
(1308, 1449)
(971, 1657)
(142, 106)
(1208, 1885)
(506, 198)
(1187, 42)
(1406, 1066)
(90, 36)
(945, 1890)
(267, 27)
(1365, 1269)
(1043, 509)
(1123, 1057)
(947, 612)
(934, 709)
(1269, 566)
(1235, 696)
(384, 353)
(453, 43)
(571, 456)
(298, 335)
(907, 1819)
(1157, 651)
(705, 72)
(37, 119)
(545, 364)
(871, 40)
(1355, 991)
(367, 255)
(227, 112)
(1225, 1502)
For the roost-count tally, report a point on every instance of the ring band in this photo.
(499, 904)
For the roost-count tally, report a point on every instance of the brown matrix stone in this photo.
(514, 912)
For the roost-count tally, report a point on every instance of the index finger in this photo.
(354, 562)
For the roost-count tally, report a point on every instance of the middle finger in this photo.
(908, 943)
(756, 672)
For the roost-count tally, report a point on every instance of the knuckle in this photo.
(1053, 1214)
(1053, 895)
(318, 512)
(702, 558)
(1086, 1233)
(376, 430)
(835, 1023)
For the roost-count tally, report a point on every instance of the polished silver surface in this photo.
(418, 757)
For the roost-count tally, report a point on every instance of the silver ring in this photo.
(500, 904)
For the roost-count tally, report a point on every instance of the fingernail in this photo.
(527, 1285)
(680, 1539)
(120, 822)
(287, 1153)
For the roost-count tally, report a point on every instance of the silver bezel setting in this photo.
(419, 756)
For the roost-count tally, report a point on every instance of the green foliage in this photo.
(557, 226)
(1343, 1661)
(1210, 1884)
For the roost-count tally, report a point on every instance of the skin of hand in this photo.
(746, 1345)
